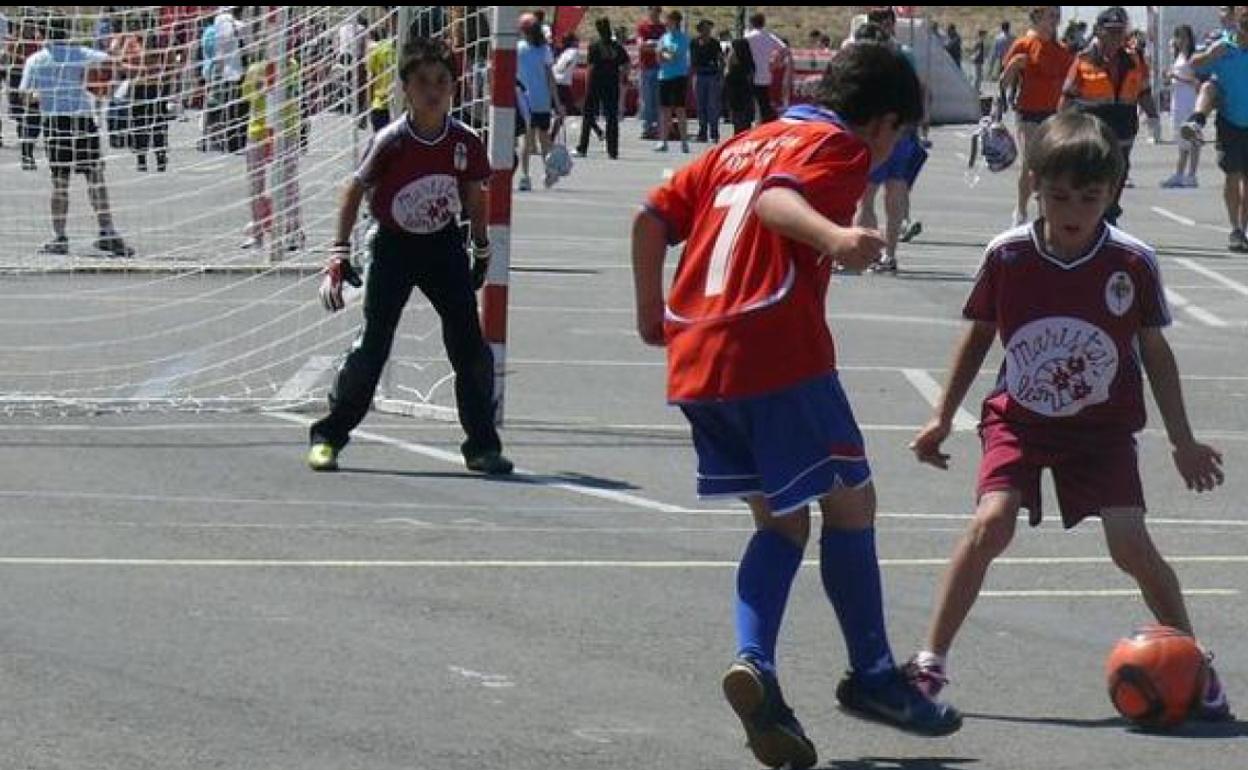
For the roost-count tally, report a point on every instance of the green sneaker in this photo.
(323, 457)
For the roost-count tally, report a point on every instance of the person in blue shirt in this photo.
(56, 77)
(673, 81)
(1226, 63)
(534, 62)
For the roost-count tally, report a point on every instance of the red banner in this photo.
(567, 19)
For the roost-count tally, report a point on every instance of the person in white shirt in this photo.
(1183, 88)
(564, 70)
(352, 43)
(229, 70)
(765, 48)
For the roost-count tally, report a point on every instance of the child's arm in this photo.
(968, 357)
(784, 211)
(649, 250)
(474, 197)
(349, 209)
(1198, 464)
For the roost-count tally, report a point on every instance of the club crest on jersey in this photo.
(1059, 366)
(427, 205)
(461, 156)
(1119, 293)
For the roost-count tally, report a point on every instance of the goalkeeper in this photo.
(419, 174)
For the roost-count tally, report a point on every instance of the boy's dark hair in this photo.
(56, 28)
(870, 33)
(882, 15)
(675, 16)
(757, 21)
(869, 80)
(1076, 146)
(425, 50)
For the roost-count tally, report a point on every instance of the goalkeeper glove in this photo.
(480, 264)
(337, 270)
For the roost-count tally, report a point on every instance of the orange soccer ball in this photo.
(1155, 676)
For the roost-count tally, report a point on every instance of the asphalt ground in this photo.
(179, 592)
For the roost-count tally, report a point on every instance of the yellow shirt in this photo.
(381, 65)
(254, 89)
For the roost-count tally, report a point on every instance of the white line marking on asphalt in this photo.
(1188, 221)
(453, 458)
(1213, 275)
(301, 383)
(931, 390)
(523, 564)
(1195, 311)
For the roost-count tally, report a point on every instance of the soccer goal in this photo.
(225, 144)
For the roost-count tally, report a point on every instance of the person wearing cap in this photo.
(1110, 80)
(1226, 62)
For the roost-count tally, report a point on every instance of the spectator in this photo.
(608, 68)
(564, 70)
(4, 56)
(979, 54)
(813, 37)
(1071, 39)
(211, 73)
(766, 49)
(149, 106)
(534, 61)
(56, 76)
(953, 44)
(649, 31)
(229, 63)
(739, 86)
(1183, 88)
(352, 40)
(26, 42)
(1000, 45)
(1110, 80)
(1037, 65)
(673, 82)
(707, 59)
(1227, 63)
(380, 64)
(540, 15)
(267, 145)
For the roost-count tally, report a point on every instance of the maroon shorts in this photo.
(1088, 479)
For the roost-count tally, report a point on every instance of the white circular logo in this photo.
(427, 205)
(1059, 366)
(1119, 293)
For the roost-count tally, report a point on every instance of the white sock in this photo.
(928, 659)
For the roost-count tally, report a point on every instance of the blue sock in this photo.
(764, 578)
(851, 579)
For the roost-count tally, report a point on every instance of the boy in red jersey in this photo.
(1079, 306)
(751, 363)
(419, 174)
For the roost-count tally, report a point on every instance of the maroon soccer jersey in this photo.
(1070, 331)
(413, 183)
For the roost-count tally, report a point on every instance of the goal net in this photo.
(225, 145)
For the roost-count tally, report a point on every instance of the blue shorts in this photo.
(792, 447)
(904, 164)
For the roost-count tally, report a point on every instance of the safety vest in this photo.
(1093, 89)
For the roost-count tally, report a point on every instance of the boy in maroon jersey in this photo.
(420, 173)
(1080, 308)
(752, 365)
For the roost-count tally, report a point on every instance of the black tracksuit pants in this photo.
(438, 265)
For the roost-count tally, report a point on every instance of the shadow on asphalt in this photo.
(1192, 729)
(902, 763)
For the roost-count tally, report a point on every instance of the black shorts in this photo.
(1232, 147)
(674, 92)
(540, 120)
(73, 143)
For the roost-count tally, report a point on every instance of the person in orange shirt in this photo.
(1037, 65)
(1110, 80)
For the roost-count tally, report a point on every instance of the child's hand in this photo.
(856, 248)
(650, 325)
(926, 445)
(1199, 465)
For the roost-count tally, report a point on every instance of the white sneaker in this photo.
(252, 242)
(660, 147)
(1190, 181)
(1172, 182)
(526, 184)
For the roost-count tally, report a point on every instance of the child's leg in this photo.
(851, 577)
(1132, 549)
(896, 209)
(866, 216)
(529, 134)
(989, 534)
(764, 578)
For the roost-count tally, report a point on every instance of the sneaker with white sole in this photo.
(1190, 181)
(772, 731)
(927, 674)
(1173, 182)
(58, 246)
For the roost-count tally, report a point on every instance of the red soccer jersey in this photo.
(413, 183)
(745, 314)
(649, 32)
(1071, 372)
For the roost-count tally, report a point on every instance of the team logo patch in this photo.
(1059, 366)
(427, 205)
(461, 157)
(1119, 293)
